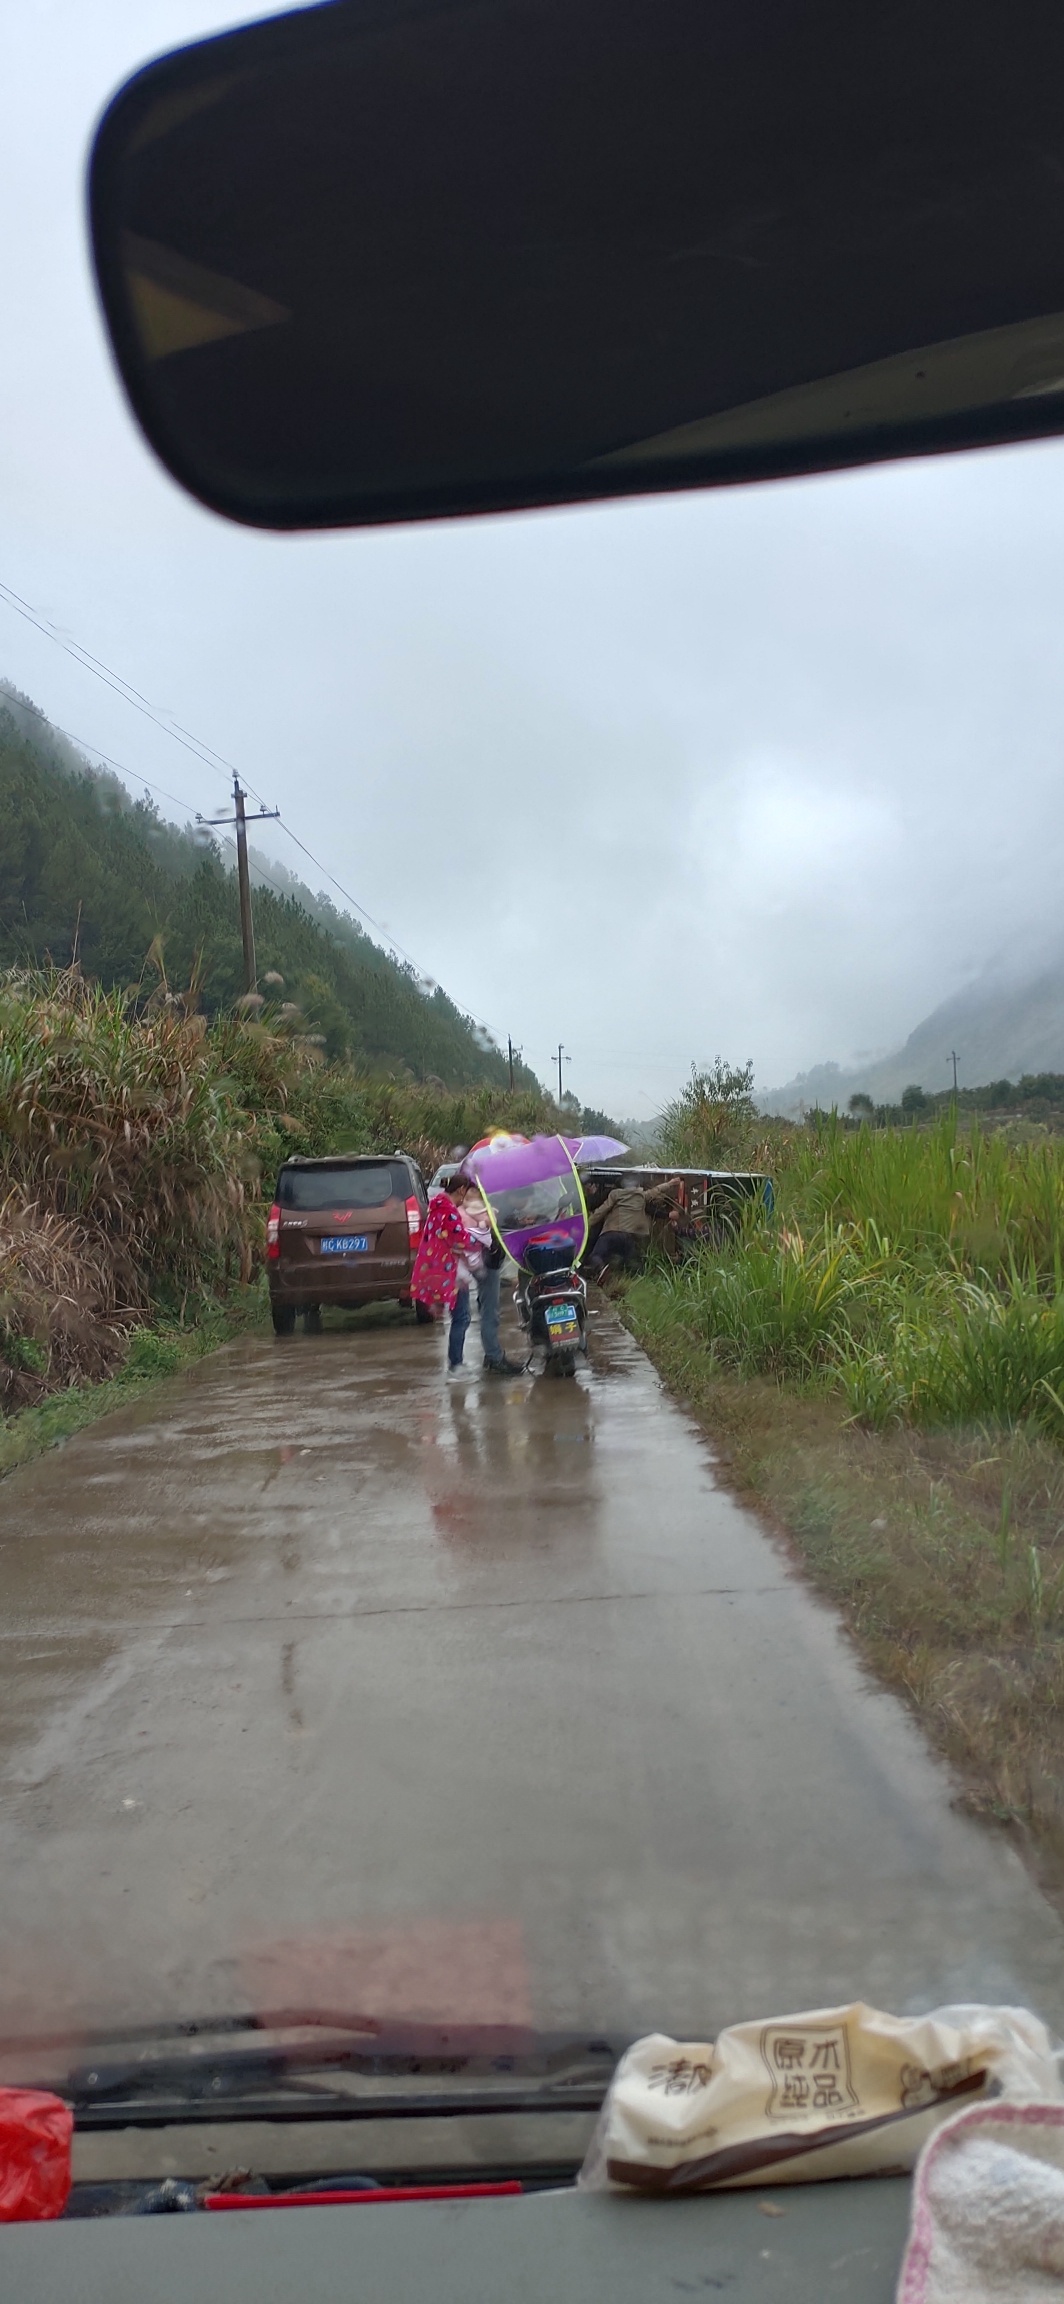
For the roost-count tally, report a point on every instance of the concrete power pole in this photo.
(243, 876)
(953, 1061)
(561, 1053)
(247, 922)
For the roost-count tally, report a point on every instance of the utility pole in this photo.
(561, 1053)
(953, 1061)
(247, 923)
(243, 877)
(510, 1059)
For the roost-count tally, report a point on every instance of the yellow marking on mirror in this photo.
(177, 304)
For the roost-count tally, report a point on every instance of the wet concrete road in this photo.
(324, 1678)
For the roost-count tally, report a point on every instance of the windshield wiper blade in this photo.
(229, 2072)
(157, 2109)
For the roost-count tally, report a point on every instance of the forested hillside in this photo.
(85, 870)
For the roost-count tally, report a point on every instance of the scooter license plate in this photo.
(562, 1324)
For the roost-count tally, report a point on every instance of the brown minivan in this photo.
(343, 1230)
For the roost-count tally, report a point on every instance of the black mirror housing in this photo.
(374, 262)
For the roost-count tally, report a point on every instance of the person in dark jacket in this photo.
(622, 1226)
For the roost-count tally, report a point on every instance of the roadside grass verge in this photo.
(882, 1367)
(917, 1275)
(150, 1354)
(842, 1308)
(941, 1540)
(139, 1144)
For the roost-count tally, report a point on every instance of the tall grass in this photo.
(57, 1309)
(126, 1127)
(940, 1195)
(138, 1149)
(919, 1273)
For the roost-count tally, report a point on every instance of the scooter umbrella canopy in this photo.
(533, 1191)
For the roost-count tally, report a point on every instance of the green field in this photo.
(916, 1273)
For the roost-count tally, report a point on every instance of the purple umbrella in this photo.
(587, 1148)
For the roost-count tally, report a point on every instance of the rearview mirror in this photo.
(382, 262)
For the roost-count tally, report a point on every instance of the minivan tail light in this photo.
(413, 1219)
(273, 1233)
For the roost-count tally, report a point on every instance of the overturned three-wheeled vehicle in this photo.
(688, 1208)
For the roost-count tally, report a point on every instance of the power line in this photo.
(378, 925)
(353, 901)
(200, 750)
(121, 687)
(22, 704)
(17, 703)
(124, 688)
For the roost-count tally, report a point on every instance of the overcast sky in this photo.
(802, 744)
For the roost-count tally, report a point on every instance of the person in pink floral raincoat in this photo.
(443, 1267)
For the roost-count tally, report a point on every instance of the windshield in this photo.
(407, 1653)
(539, 1205)
(342, 1187)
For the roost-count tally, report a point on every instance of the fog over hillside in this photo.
(1007, 1021)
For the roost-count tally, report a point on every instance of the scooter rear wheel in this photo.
(561, 1364)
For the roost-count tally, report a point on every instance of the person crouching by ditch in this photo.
(623, 1228)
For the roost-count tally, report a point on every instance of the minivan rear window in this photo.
(342, 1187)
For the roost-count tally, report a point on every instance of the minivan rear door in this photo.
(343, 1226)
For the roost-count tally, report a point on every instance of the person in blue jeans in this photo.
(456, 1334)
(490, 1257)
(489, 1301)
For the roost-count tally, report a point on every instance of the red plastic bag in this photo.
(35, 2133)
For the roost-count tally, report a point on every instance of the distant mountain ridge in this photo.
(1001, 1027)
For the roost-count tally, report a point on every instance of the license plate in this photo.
(346, 1244)
(562, 1320)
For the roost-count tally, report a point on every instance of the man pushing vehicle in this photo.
(622, 1227)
